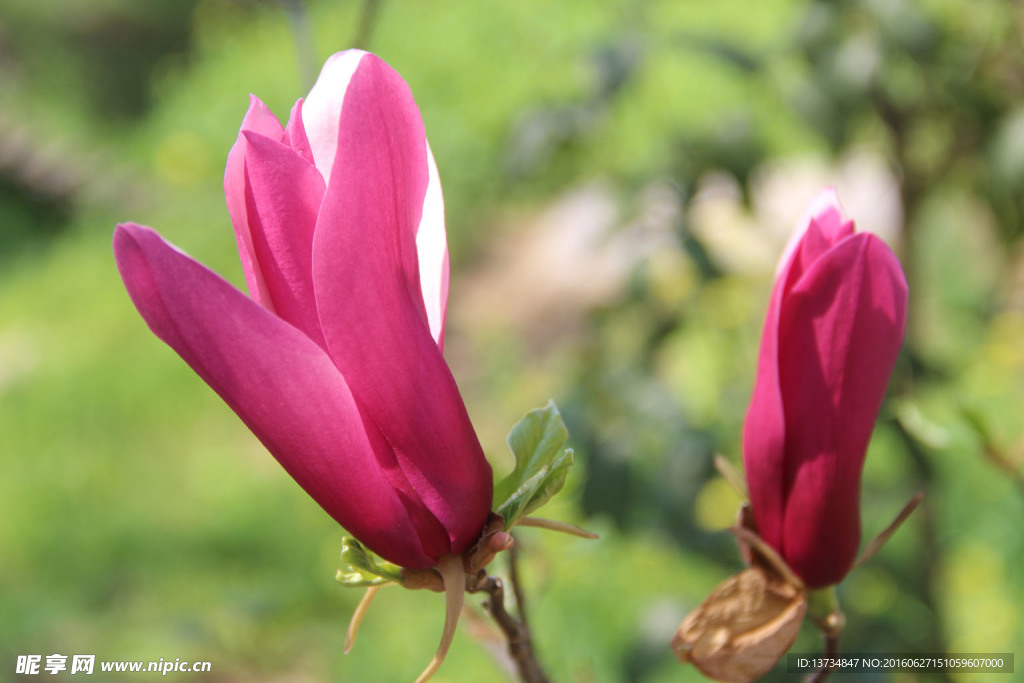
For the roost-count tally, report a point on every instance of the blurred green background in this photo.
(620, 178)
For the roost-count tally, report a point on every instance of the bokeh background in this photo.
(620, 178)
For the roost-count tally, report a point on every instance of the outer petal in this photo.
(320, 115)
(372, 312)
(295, 133)
(764, 431)
(840, 331)
(258, 119)
(283, 386)
(283, 192)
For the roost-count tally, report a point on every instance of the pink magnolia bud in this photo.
(335, 363)
(834, 328)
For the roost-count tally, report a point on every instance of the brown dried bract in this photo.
(743, 628)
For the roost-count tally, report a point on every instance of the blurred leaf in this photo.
(361, 569)
(724, 50)
(921, 426)
(542, 464)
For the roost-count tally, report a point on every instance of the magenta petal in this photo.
(823, 225)
(840, 331)
(372, 311)
(283, 386)
(295, 133)
(258, 119)
(827, 214)
(283, 195)
(764, 431)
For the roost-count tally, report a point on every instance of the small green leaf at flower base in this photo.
(360, 569)
(542, 463)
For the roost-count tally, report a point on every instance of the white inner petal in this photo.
(431, 244)
(321, 110)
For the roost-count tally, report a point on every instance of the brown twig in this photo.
(826, 615)
(517, 587)
(520, 647)
(831, 651)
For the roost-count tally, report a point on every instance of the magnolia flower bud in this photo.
(833, 331)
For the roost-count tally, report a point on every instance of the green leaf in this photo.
(542, 463)
(360, 568)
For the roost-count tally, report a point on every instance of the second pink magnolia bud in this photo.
(833, 331)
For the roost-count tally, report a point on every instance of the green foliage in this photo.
(361, 569)
(542, 464)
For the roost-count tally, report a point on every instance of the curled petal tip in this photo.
(826, 199)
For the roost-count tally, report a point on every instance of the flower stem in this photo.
(823, 607)
(517, 586)
(520, 646)
(831, 651)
